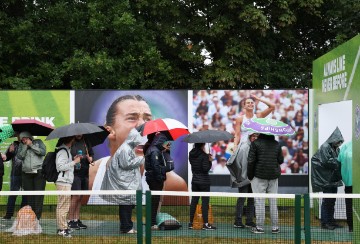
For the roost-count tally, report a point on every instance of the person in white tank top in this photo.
(249, 114)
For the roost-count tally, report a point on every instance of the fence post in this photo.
(139, 216)
(307, 219)
(297, 219)
(148, 218)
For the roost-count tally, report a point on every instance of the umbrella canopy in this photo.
(73, 130)
(208, 136)
(35, 127)
(268, 126)
(173, 126)
(96, 138)
(6, 131)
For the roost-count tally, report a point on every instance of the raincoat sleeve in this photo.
(251, 161)
(327, 158)
(127, 159)
(38, 147)
(22, 151)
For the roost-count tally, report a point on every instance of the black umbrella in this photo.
(35, 127)
(97, 138)
(208, 136)
(73, 130)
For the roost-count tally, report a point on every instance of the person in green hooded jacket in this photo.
(326, 176)
(345, 158)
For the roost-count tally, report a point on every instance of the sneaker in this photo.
(336, 225)
(73, 225)
(327, 227)
(64, 233)
(275, 231)
(81, 225)
(250, 225)
(239, 225)
(257, 230)
(154, 227)
(190, 226)
(132, 231)
(6, 217)
(208, 226)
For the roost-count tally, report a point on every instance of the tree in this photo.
(72, 44)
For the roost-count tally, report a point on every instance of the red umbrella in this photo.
(173, 126)
(35, 127)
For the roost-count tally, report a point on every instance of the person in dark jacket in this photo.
(1, 169)
(326, 176)
(154, 151)
(81, 180)
(264, 159)
(200, 165)
(15, 178)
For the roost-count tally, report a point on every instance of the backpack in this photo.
(49, 171)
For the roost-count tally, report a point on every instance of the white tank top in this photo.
(245, 133)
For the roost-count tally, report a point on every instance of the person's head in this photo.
(25, 135)
(68, 141)
(223, 147)
(78, 137)
(249, 104)
(253, 137)
(124, 114)
(199, 145)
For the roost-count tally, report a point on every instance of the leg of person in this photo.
(1, 182)
(205, 209)
(193, 204)
(259, 186)
(274, 215)
(84, 187)
(155, 200)
(349, 212)
(28, 185)
(239, 208)
(125, 213)
(76, 185)
(39, 185)
(14, 186)
(62, 210)
(326, 206)
(250, 210)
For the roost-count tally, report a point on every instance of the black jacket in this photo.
(154, 161)
(325, 168)
(200, 166)
(265, 157)
(16, 163)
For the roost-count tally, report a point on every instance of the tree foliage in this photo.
(154, 44)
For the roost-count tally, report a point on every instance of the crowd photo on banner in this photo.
(152, 140)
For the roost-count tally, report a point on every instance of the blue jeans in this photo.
(328, 207)
(15, 184)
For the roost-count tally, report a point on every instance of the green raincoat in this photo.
(325, 168)
(345, 157)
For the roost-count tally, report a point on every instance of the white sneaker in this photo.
(132, 231)
(64, 233)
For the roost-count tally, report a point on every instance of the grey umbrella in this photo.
(208, 136)
(74, 129)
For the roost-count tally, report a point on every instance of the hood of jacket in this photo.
(157, 143)
(26, 134)
(335, 137)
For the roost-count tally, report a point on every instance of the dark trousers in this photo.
(34, 182)
(125, 212)
(1, 182)
(328, 207)
(348, 204)
(204, 201)
(155, 186)
(15, 184)
(250, 207)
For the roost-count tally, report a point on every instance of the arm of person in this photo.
(266, 112)
(62, 161)
(328, 161)
(10, 152)
(157, 164)
(280, 157)
(38, 147)
(128, 160)
(238, 123)
(251, 161)
(206, 162)
(21, 153)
